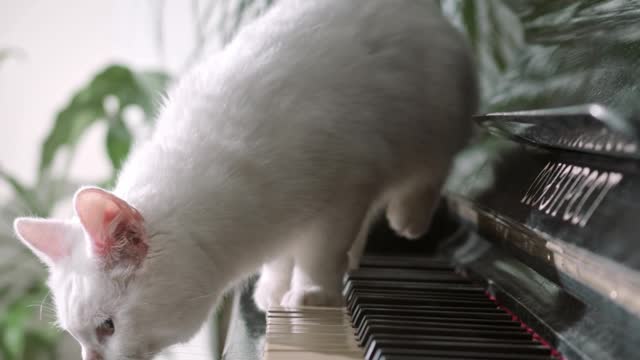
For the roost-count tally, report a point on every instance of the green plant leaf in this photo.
(39, 346)
(20, 336)
(4, 54)
(4, 290)
(69, 125)
(87, 106)
(8, 53)
(469, 14)
(14, 335)
(24, 194)
(118, 142)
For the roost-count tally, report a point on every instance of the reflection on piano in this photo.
(533, 256)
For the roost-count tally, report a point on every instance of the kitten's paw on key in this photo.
(311, 296)
(409, 214)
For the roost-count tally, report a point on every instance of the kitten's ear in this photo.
(49, 239)
(116, 230)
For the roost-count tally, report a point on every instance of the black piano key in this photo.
(391, 285)
(466, 340)
(442, 322)
(392, 301)
(431, 311)
(492, 313)
(407, 275)
(413, 354)
(395, 286)
(414, 285)
(440, 331)
(423, 357)
(443, 292)
(480, 301)
(353, 307)
(405, 262)
(487, 350)
(373, 299)
(417, 294)
(398, 300)
(457, 323)
(409, 357)
(386, 298)
(440, 293)
(410, 295)
(362, 312)
(511, 328)
(407, 308)
(485, 317)
(472, 315)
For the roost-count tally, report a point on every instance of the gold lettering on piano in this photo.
(600, 141)
(571, 193)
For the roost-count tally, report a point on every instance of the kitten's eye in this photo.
(105, 329)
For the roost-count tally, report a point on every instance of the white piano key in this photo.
(310, 333)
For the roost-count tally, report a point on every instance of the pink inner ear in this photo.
(96, 210)
(106, 218)
(47, 238)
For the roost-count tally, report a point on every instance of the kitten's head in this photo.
(120, 298)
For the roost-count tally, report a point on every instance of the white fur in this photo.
(275, 151)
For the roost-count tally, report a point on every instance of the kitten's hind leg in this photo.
(410, 210)
(274, 282)
(321, 260)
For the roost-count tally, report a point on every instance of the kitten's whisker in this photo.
(42, 306)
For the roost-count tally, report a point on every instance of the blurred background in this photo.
(80, 82)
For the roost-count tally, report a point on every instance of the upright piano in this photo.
(535, 255)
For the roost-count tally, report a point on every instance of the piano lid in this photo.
(590, 128)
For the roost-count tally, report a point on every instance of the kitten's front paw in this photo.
(268, 293)
(408, 229)
(409, 220)
(311, 296)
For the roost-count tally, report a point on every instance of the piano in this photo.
(534, 252)
(534, 256)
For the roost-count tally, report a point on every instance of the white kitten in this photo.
(276, 151)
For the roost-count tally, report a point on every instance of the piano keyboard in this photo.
(403, 308)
